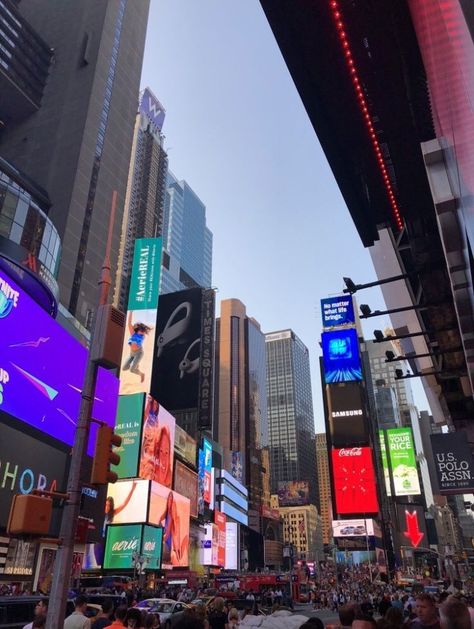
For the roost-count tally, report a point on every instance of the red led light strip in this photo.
(336, 13)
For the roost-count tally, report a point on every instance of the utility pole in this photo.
(71, 509)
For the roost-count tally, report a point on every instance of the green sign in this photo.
(152, 541)
(146, 271)
(129, 426)
(386, 471)
(403, 462)
(122, 541)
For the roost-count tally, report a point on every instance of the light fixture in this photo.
(363, 106)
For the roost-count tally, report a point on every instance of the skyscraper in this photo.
(147, 178)
(187, 241)
(290, 411)
(76, 143)
(240, 403)
(324, 486)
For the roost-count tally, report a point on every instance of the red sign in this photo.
(354, 481)
(207, 487)
(220, 521)
(413, 532)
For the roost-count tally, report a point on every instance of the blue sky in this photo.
(237, 131)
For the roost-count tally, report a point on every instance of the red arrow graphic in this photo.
(413, 532)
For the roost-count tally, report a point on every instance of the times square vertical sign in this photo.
(207, 357)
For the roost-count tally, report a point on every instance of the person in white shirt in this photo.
(78, 618)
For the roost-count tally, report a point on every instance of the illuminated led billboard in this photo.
(171, 511)
(354, 481)
(293, 493)
(402, 455)
(157, 451)
(454, 463)
(337, 311)
(186, 484)
(347, 414)
(123, 540)
(341, 356)
(127, 501)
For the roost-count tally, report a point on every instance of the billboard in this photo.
(185, 446)
(171, 511)
(182, 371)
(127, 501)
(27, 464)
(121, 543)
(201, 481)
(412, 526)
(138, 343)
(152, 542)
(157, 450)
(347, 414)
(207, 449)
(237, 466)
(341, 356)
(402, 456)
(355, 489)
(337, 311)
(293, 493)
(231, 546)
(352, 528)
(453, 462)
(152, 108)
(385, 467)
(210, 545)
(186, 484)
(220, 522)
(129, 427)
(41, 366)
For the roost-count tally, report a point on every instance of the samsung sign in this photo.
(347, 416)
(453, 462)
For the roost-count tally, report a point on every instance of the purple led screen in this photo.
(42, 368)
(105, 403)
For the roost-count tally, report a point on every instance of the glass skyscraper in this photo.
(187, 241)
(290, 411)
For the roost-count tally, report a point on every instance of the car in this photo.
(359, 530)
(203, 600)
(167, 609)
(347, 530)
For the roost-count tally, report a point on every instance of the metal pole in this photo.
(63, 561)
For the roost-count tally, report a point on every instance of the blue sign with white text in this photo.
(341, 356)
(337, 311)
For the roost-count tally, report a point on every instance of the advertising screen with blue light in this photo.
(337, 311)
(341, 356)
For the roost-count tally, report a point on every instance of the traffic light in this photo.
(104, 456)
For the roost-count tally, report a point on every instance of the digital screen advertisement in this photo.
(152, 108)
(129, 427)
(210, 547)
(402, 456)
(152, 542)
(120, 544)
(37, 385)
(347, 414)
(385, 467)
(104, 407)
(341, 356)
(179, 372)
(231, 546)
(354, 481)
(157, 451)
(186, 484)
(171, 511)
(412, 526)
(140, 332)
(207, 449)
(352, 528)
(127, 501)
(185, 446)
(27, 464)
(453, 462)
(293, 493)
(337, 311)
(220, 522)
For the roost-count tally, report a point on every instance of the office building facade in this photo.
(240, 406)
(146, 187)
(302, 530)
(290, 411)
(324, 486)
(187, 241)
(77, 144)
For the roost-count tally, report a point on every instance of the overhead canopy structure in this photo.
(358, 68)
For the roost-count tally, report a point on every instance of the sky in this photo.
(237, 132)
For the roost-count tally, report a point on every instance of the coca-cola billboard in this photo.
(354, 481)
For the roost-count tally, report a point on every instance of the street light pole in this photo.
(71, 509)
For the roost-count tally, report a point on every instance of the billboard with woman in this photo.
(157, 451)
(171, 511)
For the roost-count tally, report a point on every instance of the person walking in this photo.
(103, 619)
(41, 609)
